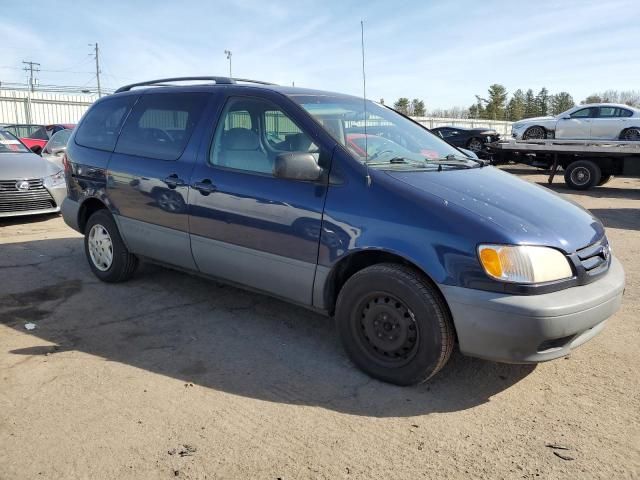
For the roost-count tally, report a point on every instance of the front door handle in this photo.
(205, 187)
(173, 181)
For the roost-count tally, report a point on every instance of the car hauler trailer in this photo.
(586, 163)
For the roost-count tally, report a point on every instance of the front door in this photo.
(248, 226)
(149, 173)
(577, 126)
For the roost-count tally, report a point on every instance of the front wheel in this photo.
(107, 254)
(535, 133)
(394, 324)
(475, 145)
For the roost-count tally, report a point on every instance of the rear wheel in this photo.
(107, 254)
(631, 134)
(582, 175)
(535, 133)
(394, 324)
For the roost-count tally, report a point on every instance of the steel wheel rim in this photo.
(580, 175)
(535, 133)
(632, 134)
(100, 247)
(386, 329)
(475, 145)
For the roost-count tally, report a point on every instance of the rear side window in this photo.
(101, 125)
(160, 125)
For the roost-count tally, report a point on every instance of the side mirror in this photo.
(566, 117)
(297, 166)
(37, 149)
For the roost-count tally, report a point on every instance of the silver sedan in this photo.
(29, 184)
(602, 121)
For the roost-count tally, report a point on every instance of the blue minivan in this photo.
(410, 244)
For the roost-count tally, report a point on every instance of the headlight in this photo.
(516, 126)
(54, 180)
(524, 263)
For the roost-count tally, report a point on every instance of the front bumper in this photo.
(28, 206)
(533, 328)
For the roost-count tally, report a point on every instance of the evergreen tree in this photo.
(417, 108)
(497, 103)
(542, 102)
(516, 106)
(530, 106)
(402, 105)
(561, 102)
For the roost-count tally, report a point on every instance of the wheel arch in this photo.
(88, 208)
(546, 130)
(626, 129)
(350, 264)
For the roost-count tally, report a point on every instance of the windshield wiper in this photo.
(480, 162)
(400, 161)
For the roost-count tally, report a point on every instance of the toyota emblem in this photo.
(23, 185)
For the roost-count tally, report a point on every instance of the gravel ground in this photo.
(172, 375)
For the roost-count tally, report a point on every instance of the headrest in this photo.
(240, 139)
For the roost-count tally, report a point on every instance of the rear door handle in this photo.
(205, 187)
(173, 181)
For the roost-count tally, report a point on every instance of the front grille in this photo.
(595, 258)
(35, 198)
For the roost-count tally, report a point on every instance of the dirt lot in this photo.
(171, 375)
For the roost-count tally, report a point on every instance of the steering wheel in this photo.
(378, 153)
(160, 135)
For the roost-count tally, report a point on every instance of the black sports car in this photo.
(473, 139)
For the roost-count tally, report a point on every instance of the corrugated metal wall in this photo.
(18, 106)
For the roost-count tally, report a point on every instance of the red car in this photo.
(36, 137)
(375, 144)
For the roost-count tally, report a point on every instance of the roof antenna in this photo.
(364, 102)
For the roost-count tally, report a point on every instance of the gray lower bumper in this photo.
(69, 211)
(534, 328)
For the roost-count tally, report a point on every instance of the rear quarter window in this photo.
(161, 124)
(101, 125)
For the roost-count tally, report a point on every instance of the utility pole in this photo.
(228, 54)
(96, 55)
(31, 67)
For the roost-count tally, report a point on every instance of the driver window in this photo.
(584, 113)
(252, 133)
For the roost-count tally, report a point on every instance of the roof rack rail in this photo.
(162, 82)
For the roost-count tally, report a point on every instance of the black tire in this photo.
(604, 179)
(123, 263)
(582, 175)
(631, 134)
(475, 145)
(535, 133)
(407, 307)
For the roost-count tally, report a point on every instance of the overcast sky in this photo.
(442, 52)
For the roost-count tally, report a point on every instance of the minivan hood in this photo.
(16, 166)
(525, 212)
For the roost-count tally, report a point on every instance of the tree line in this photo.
(497, 105)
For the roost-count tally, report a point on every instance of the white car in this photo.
(604, 121)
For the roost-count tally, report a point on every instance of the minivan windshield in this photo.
(380, 136)
(10, 144)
